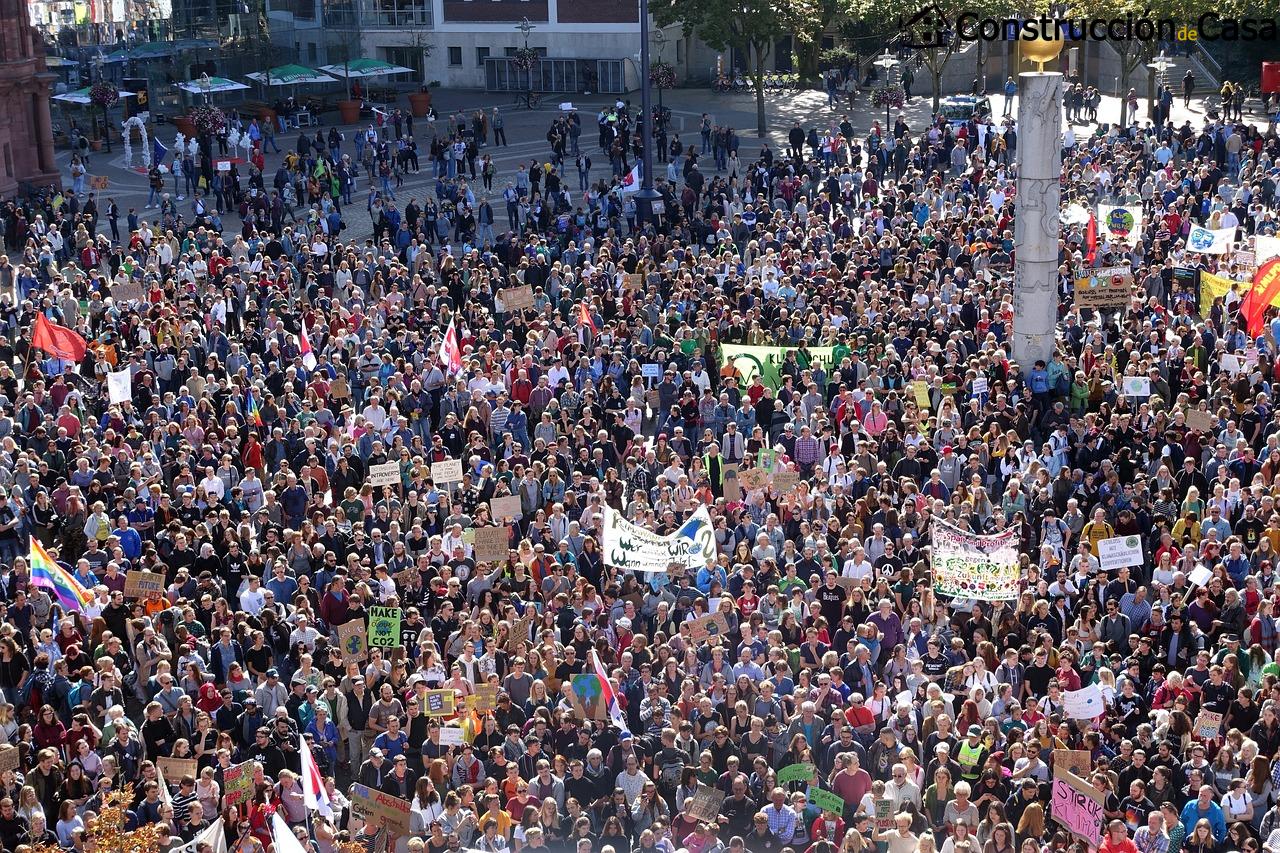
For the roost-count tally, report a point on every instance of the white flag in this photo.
(285, 840)
(1265, 248)
(213, 836)
(314, 794)
(120, 386)
(631, 183)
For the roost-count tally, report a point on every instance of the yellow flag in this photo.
(1212, 286)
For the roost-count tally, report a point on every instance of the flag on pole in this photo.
(158, 151)
(585, 319)
(607, 695)
(1091, 239)
(631, 183)
(251, 408)
(58, 340)
(314, 794)
(165, 797)
(48, 574)
(1264, 293)
(451, 351)
(282, 835)
(304, 345)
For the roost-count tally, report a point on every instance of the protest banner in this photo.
(175, 768)
(1104, 287)
(828, 801)
(785, 481)
(711, 625)
(1119, 552)
(127, 291)
(920, 393)
(1135, 386)
(965, 565)
(353, 641)
(384, 627)
(10, 757)
(385, 474)
(1218, 286)
(385, 810)
(1083, 704)
(732, 488)
(237, 783)
(517, 298)
(752, 478)
(505, 508)
(704, 805)
(1200, 576)
(1208, 725)
(630, 547)
(1077, 807)
(486, 697)
(138, 583)
(796, 773)
(1201, 421)
(1076, 761)
(520, 629)
(492, 544)
(651, 371)
(452, 736)
(1119, 224)
(438, 703)
(587, 697)
(753, 361)
(448, 471)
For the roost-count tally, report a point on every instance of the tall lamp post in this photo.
(524, 26)
(887, 62)
(647, 194)
(660, 39)
(1159, 65)
(99, 64)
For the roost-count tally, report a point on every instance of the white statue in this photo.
(193, 147)
(233, 139)
(127, 127)
(246, 142)
(180, 143)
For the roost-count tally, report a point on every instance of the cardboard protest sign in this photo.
(99, 182)
(752, 478)
(1208, 725)
(438, 703)
(383, 809)
(1119, 552)
(127, 291)
(486, 697)
(1077, 761)
(491, 544)
(796, 773)
(1077, 807)
(384, 627)
(517, 298)
(10, 757)
(711, 625)
(704, 805)
(138, 583)
(505, 509)
(386, 474)
(1105, 287)
(884, 815)
(175, 768)
(520, 630)
(353, 642)
(828, 801)
(451, 736)
(1083, 704)
(732, 488)
(448, 471)
(237, 783)
(1201, 421)
(785, 481)
(587, 697)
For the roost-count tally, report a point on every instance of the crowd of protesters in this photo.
(274, 363)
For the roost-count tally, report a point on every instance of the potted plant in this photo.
(206, 121)
(420, 102)
(104, 95)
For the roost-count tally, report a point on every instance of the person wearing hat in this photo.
(374, 770)
(972, 755)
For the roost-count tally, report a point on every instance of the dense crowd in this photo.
(274, 364)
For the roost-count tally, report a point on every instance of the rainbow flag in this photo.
(48, 574)
(251, 408)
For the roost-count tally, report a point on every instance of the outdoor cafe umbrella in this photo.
(290, 75)
(364, 67)
(212, 86)
(81, 96)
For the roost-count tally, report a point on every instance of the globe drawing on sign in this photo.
(1131, 542)
(355, 645)
(382, 628)
(1199, 239)
(586, 696)
(1120, 222)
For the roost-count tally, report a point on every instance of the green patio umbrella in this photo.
(212, 86)
(289, 75)
(81, 96)
(364, 67)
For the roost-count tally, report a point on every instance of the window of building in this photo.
(455, 55)
(311, 52)
(482, 53)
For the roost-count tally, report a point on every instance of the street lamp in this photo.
(886, 61)
(660, 39)
(99, 63)
(647, 194)
(1159, 65)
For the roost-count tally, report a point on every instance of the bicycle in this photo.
(530, 100)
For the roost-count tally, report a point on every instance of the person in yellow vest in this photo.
(1097, 530)
(972, 755)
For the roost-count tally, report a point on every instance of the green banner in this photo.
(826, 800)
(384, 627)
(796, 773)
(766, 361)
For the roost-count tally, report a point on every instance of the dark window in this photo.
(455, 55)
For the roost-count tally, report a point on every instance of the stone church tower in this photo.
(26, 132)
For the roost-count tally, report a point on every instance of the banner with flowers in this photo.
(969, 566)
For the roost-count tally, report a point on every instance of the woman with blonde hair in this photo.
(1031, 824)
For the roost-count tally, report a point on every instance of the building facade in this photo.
(26, 131)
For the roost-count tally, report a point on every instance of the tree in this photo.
(808, 35)
(750, 26)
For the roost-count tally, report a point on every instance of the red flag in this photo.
(451, 351)
(58, 340)
(1264, 293)
(584, 317)
(1091, 239)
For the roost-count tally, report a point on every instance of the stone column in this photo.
(1037, 222)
